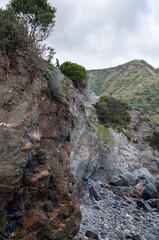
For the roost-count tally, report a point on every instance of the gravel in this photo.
(115, 218)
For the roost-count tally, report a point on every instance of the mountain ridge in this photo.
(135, 82)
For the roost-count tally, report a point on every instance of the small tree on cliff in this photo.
(37, 15)
(75, 72)
(13, 33)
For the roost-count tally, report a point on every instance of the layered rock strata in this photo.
(36, 185)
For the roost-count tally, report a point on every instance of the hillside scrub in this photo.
(153, 141)
(111, 111)
(75, 72)
(135, 82)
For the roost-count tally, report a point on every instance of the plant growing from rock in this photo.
(48, 74)
(75, 121)
(82, 107)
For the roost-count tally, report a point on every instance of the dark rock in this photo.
(91, 234)
(153, 202)
(120, 180)
(94, 193)
(48, 206)
(157, 186)
(149, 190)
(144, 205)
(40, 156)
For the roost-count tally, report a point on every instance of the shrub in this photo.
(82, 107)
(67, 104)
(75, 121)
(113, 111)
(128, 135)
(75, 72)
(154, 140)
(48, 74)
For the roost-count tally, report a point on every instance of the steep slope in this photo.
(36, 185)
(128, 156)
(135, 82)
(47, 129)
(98, 148)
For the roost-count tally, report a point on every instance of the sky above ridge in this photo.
(105, 33)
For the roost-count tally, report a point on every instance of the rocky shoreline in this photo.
(117, 214)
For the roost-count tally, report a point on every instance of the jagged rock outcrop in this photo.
(120, 161)
(133, 159)
(86, 150)
(36, 185)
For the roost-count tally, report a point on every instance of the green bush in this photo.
(75, 121)
(128, 135)
(82, 107)
(75, 72)
(112, 111)
(48, 74)
(154, 140)
(67, 104)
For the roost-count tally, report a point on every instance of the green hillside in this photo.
(135, 82)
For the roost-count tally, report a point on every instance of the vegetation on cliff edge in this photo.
(75, 72)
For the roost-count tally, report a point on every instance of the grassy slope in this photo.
(135, 82)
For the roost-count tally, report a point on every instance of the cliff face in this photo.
(36, 186)
(38, 148)
(86, 151)
(105, 152)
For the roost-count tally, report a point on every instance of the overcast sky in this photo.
(105, 33)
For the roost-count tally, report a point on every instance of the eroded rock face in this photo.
(120, 161)
(86, 152)
(36, 186)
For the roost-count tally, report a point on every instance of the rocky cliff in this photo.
(104, 150)
(36, 185)
(47, 129)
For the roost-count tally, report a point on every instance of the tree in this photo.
(13, 32)
(37, 15)
(75, 72)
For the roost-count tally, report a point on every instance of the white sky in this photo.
(105, 33)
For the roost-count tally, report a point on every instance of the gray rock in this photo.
(94, 193)
(149, 190)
